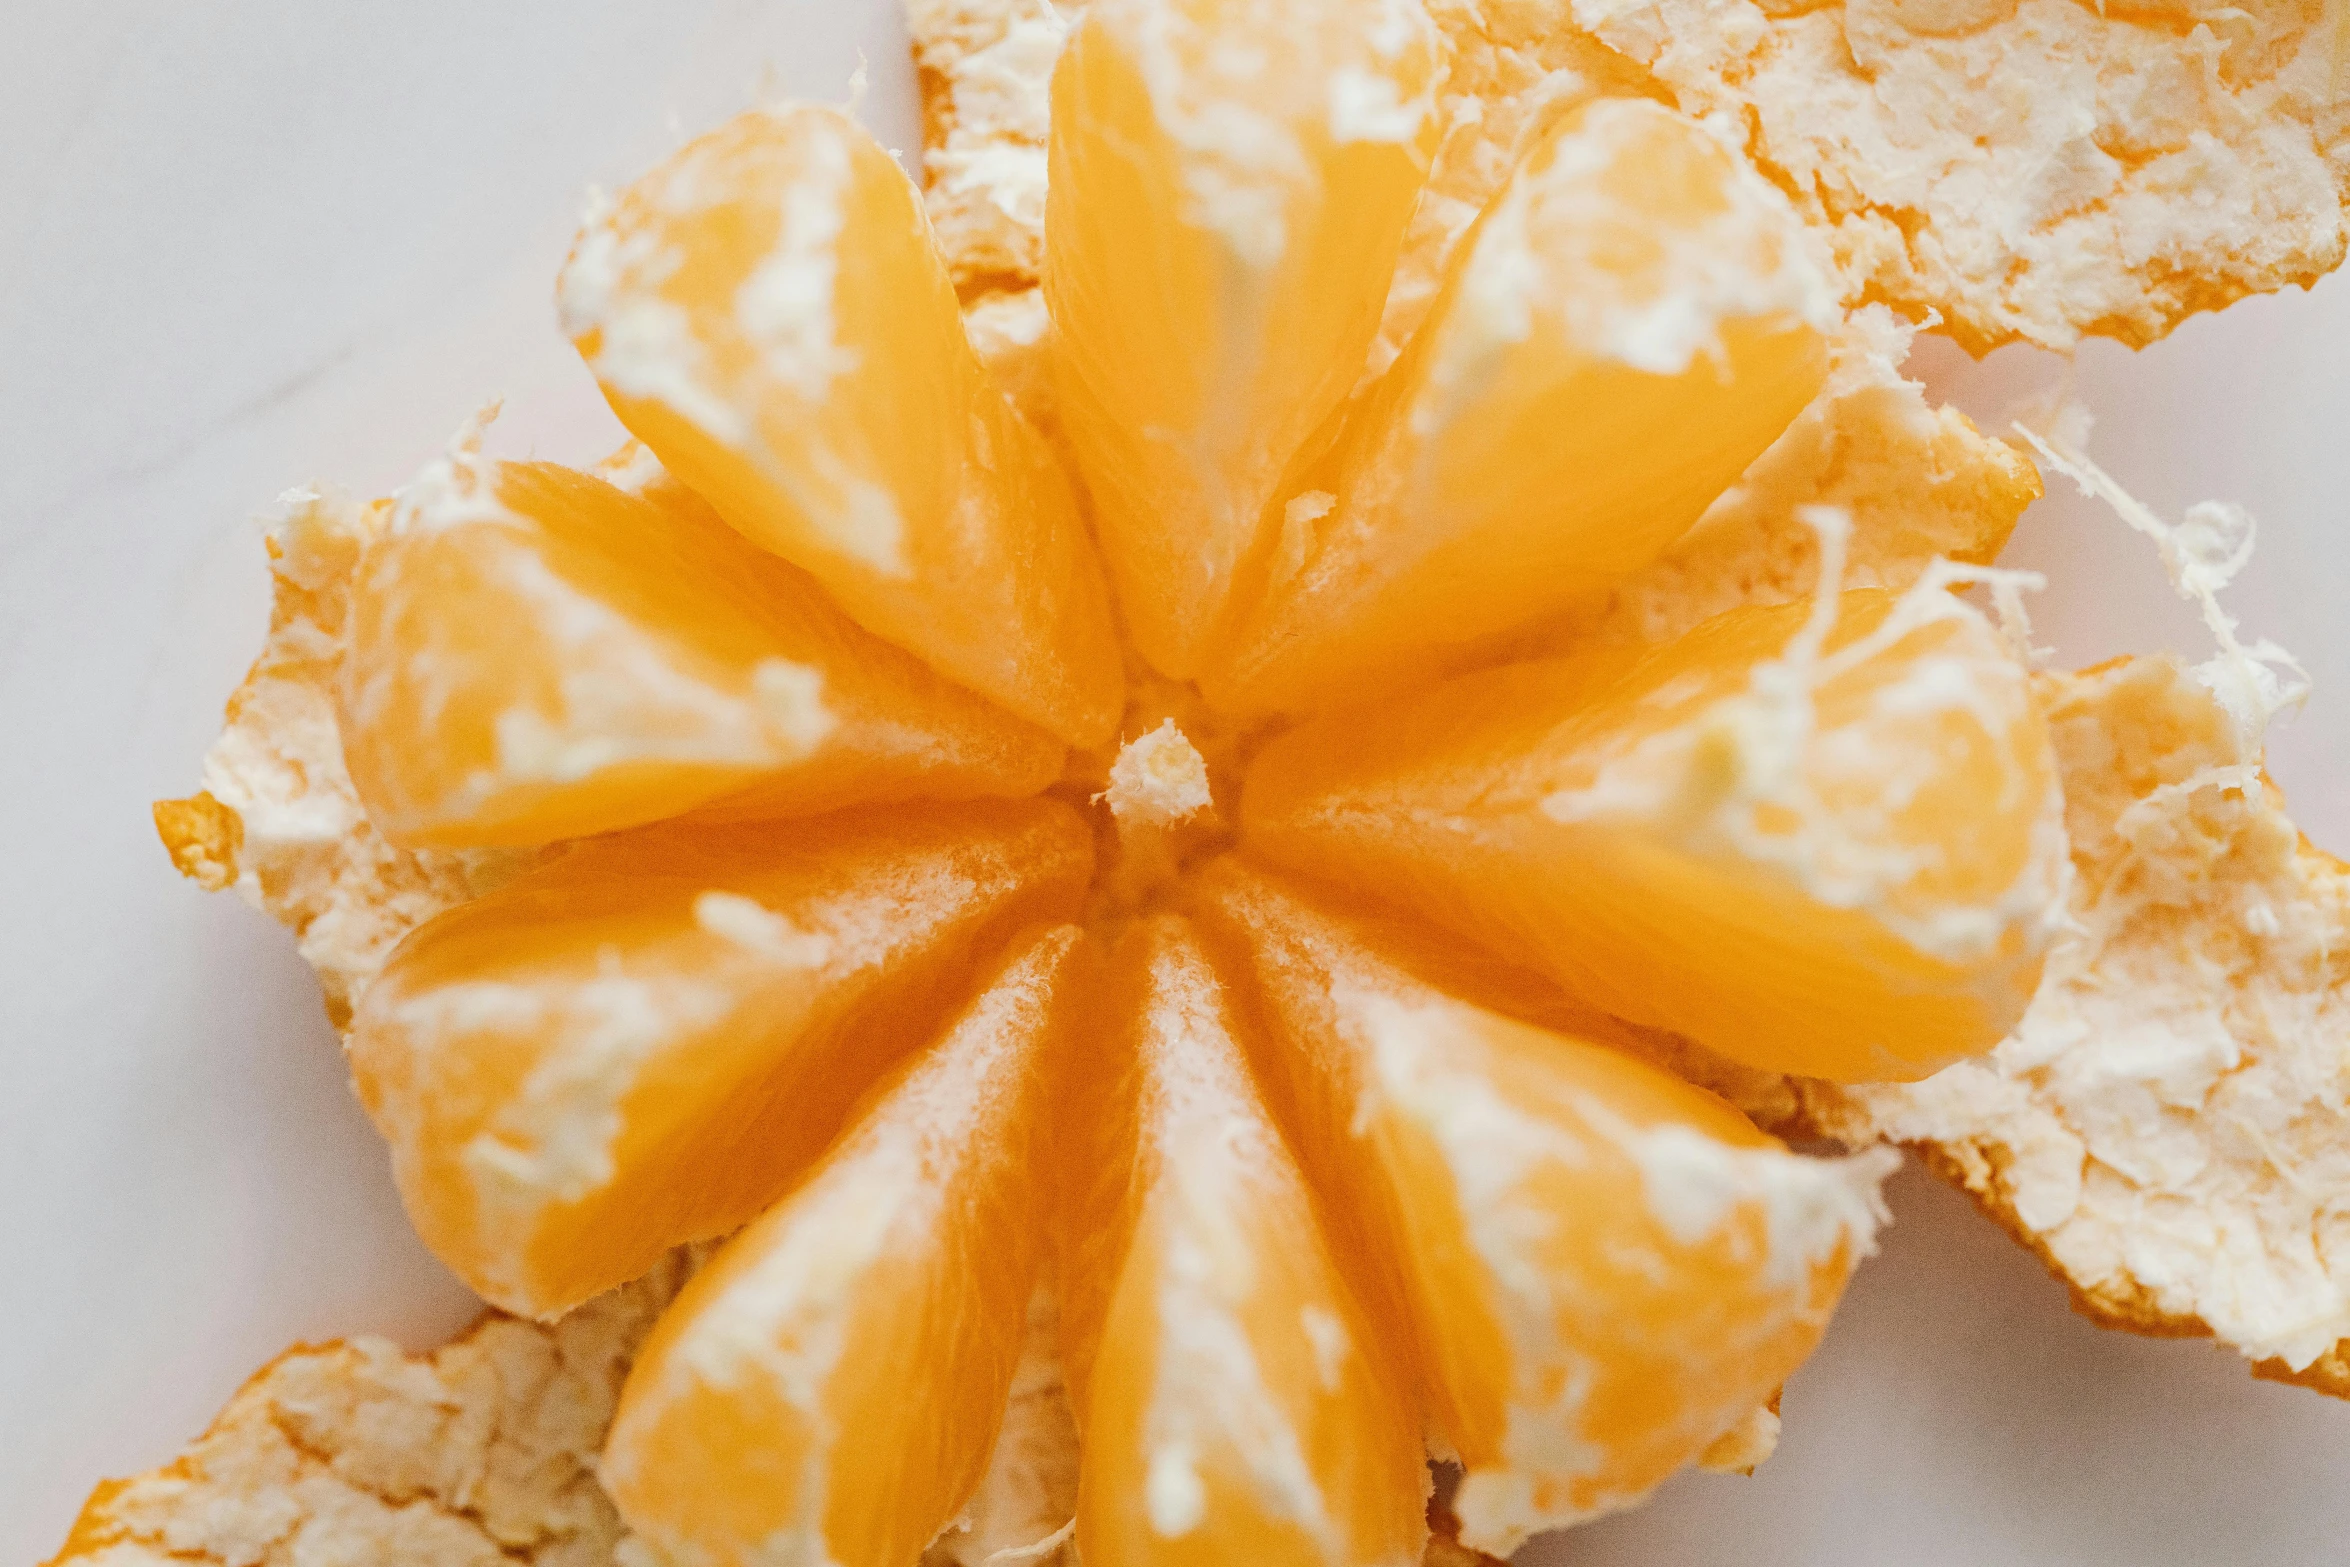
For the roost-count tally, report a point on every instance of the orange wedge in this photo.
(1631, 323)
(1823, 838)
(534, 654)
(766, 311)
(1229, 187)
(1234, 1402)
(1604, 1269)
(641, 1043)
(828, 1390)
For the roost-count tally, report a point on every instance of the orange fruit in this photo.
(814, 718)
(1107, 832)
(1123, 825)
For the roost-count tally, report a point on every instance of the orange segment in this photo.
(1837, 857)
(1234, 1402)
(766, 311)
(1633, 321)
(534, 654)
(1604, 1268)
(829, 1389)
(1229, 187)
(642, 1042)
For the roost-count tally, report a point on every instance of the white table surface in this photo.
(245, 247)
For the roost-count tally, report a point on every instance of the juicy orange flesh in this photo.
(1558, 1326)
(1234, 1401)
(561, 658)
(1514, 806)
(639, 1044)
(852, 1407)
(1242, 257)
(767, 312)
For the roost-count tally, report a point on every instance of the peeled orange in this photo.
(1110, 862)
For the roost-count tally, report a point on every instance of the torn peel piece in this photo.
(983, 66)
(1824, 836)
(481, 1453)
(1604, 1271)
(535, 654)
(2169, 1125)
(2040, 170)
(833, 1382)
(1235, 1403)
(277, 819)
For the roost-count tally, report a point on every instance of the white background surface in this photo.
(244, 248)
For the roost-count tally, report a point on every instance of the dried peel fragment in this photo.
(2041, 170)
(2169, 1127)
(479, 1454)
(483, 1453)
(2035, 170)
(983, 65)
